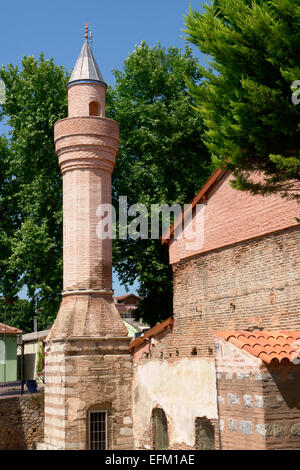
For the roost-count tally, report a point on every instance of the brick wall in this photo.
(81, 95)
(235, 287)
(231, 216)
(21, 422)
(154, 348)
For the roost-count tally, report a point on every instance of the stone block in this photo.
(232, 424)
(246, 427)
(233, 399)
(247, 399)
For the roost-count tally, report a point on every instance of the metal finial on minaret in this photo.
(91, 38)
(86, 35)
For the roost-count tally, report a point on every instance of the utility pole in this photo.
(4, 370)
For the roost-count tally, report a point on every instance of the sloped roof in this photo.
(155, 330)
(86, 68)
(269, 346)
(36, 336)
(9, 330)
(217, 174)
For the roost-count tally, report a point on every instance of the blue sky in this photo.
(57, 29)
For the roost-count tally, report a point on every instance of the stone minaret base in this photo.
(87, 368)
(86, 374)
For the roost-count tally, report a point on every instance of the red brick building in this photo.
(240, 289)
(126, 304)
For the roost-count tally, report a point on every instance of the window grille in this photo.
(98, 430)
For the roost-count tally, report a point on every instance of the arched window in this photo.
(159, 430)
(94, 108)
(205, 434)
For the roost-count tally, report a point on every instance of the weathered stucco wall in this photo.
(184, 388)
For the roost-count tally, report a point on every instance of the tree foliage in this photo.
(30, 184)
(18, 313)
(252, 124)
(162, 159)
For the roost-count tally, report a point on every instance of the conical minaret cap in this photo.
(86, 68)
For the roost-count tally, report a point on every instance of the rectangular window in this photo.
(98, 430)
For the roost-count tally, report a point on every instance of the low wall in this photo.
(21, 422)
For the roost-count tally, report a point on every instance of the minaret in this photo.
(88, 365)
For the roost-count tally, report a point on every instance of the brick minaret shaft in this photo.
(88, 365)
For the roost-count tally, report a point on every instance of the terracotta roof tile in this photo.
(9, 330)
(269, 346)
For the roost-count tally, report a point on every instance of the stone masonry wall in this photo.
(258, 405)
(281, 402)
(21, 422)
(83, 375)
(239, 398)
(253, 283)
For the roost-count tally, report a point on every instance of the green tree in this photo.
(162, 159)
(252, 124)
(30, 184)
(8, 220)
(18, 313)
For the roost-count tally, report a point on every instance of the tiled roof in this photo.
(269, 346)
(9, 330)
(155, 330)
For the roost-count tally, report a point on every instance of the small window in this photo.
(98, 430)
(205, 435)
(94, 108)
(160, 430)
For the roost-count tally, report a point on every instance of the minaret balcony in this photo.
(86, 143)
